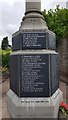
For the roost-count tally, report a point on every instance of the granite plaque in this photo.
(35, 75)
(34, 40)
(14, 74)
(54, 72)
(29, 40)
(17, 42)
(51, 41)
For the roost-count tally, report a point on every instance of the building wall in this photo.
(63, 55)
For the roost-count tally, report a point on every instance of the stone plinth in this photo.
(34, 107)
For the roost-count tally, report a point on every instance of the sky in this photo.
(12, 12)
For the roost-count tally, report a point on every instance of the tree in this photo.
(57, 21)
(5, 43)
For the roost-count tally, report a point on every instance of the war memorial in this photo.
(34, 68)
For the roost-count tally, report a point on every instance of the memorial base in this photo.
(34, 107)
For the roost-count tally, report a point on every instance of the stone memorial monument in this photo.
(34, 68)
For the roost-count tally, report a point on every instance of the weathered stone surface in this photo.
(34, 107)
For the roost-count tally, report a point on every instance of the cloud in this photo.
(11, 14)
(10, 18)
(11, 28)
(51, 4)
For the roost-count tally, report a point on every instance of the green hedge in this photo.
(5, 57)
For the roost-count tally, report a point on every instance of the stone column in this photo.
(33, 5)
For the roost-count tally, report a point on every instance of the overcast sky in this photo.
(12, 11)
